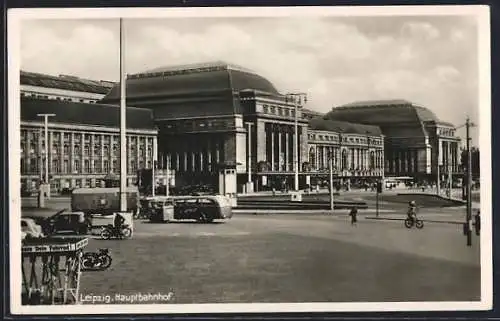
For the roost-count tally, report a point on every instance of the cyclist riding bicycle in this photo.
(118, 223)
(412, 211)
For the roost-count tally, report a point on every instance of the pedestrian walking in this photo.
(354, 215)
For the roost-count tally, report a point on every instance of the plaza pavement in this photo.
(298, 257)
(304, 258)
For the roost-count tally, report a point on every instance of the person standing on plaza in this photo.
(354, 215)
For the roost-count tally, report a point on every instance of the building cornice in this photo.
(73, 127)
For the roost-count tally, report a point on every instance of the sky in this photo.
(429, 60)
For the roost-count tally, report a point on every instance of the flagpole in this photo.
(123, 115)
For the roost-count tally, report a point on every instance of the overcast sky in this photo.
(431, 61)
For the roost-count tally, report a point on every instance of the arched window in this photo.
(312, 157)
(344, 159)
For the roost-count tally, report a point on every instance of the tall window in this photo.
(97, 165)
(372, 160)
(312, 157)
(23, 168)
(115, 149)
(106, 166)
(78, 152)
(33, 148)
(65, 166)
(106, 150)
(66, 149)
(86, 166)
(33, 165)
(56, 166)
(86, 150)
(344, 159)
(115, 166)
(97, 149)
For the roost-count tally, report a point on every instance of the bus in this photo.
(204, 208)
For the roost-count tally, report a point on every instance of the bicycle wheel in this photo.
(419, 224)
(106, 261)
(106, 234)
(126, 232)
(408, 223)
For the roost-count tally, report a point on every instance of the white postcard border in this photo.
(16, 16)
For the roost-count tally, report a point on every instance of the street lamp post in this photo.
(46, 127)
(123, 114)
(297, 99)
(249, 156)
(450, 169)
(438, 181)
(332, 205)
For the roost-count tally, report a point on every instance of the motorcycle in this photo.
(96, 261)
(110, 231)
(409, 222)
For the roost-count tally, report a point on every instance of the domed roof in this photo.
(377, 112)
(188, 80)
(397, 118)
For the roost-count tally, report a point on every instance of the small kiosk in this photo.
(227, 181)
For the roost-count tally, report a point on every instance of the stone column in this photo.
(210, 165)
(201, 161)
(279, 149)
(61, 152)
(92, 156)
(272, 149)
(217, 153)
(102, 152)
(72, 155)
(287, 150)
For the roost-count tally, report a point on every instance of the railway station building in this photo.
(216, 114)
(417, 143)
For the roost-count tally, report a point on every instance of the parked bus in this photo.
(203, 209)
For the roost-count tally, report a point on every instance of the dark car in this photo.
(76, 222)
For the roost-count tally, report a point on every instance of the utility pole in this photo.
(46, 183)
(153, 170)
(297, 99)
(123, 115)
(332, 205)
(450, 180)
(468, 218)
(249, 161)
(438, 182)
